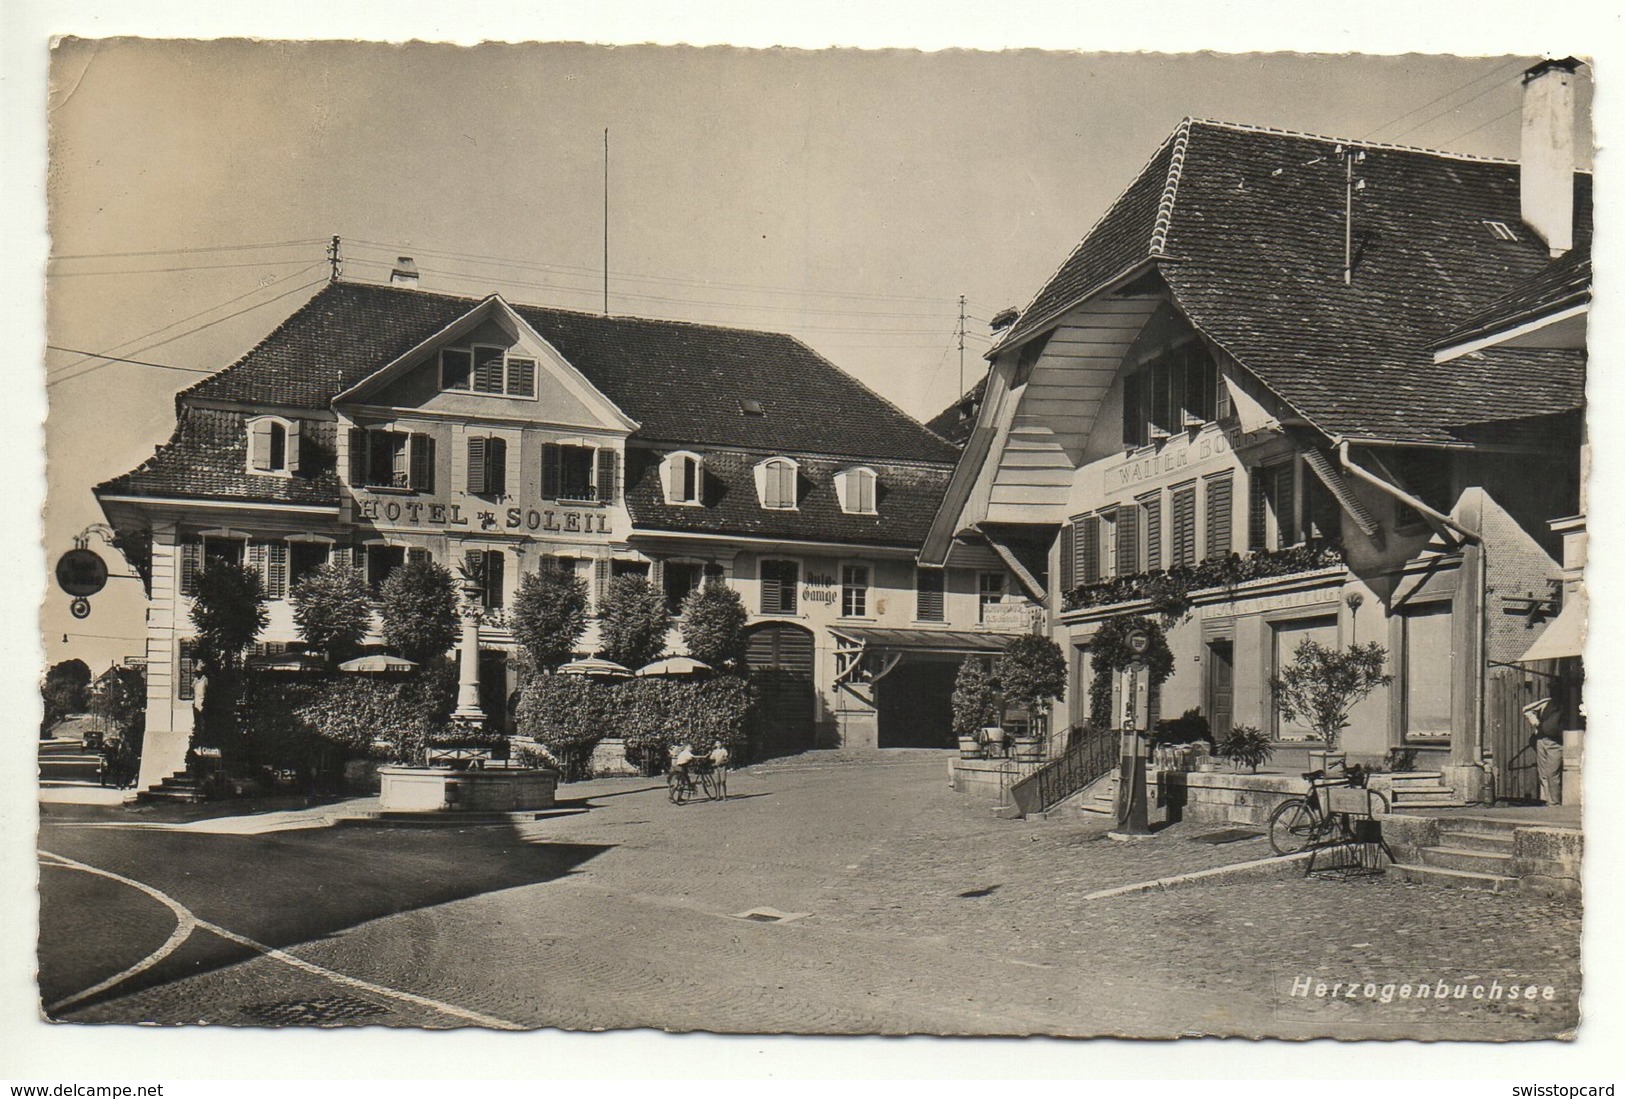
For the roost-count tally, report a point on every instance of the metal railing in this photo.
(1090, 754)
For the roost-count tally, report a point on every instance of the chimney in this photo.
(1004, 318)
(405, 273)
(1546, 156)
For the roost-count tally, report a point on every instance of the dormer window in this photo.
(1175, 390)
(776, 483)
(683, 474)
(273, 445)
(856, 490)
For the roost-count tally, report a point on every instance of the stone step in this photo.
(1463, 858)
(1414, 776)
(1428, 803)
(1423, 790)
(1456, 879)
(1499, 842)
(1492, 825)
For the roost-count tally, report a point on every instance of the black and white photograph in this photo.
(552, 536)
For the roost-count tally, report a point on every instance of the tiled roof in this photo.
(682, 382)
(1564, 282)
(207, 457)
(906, 498)
(1247, 228)
(956, 422)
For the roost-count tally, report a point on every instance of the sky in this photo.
(848, 197)
(868, 183)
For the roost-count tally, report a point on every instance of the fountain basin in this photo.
(485, 790)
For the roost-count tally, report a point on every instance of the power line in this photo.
(1492, 88)
(168, 270)
(1491, 122)
(134, 362)
(1498, 75)
(189, 251)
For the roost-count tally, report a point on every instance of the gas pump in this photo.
(1134, 717)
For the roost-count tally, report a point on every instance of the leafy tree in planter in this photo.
(633, 621)
(975, 701)
(1323, 683)
(714, 626)
(333, 609)
(418, 604)
(228, 612)
(549, 616)
(64, 691)
(1032, 671)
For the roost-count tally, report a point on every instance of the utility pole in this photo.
(1351, 157)
(961, 344)
(606, 221)
(335, 260)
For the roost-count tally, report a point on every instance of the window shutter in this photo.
(276, 570)
(496, 467)
(495, 566)
(1128, 541)
(292, 454)
(186, 671)
(256, 561)
(358, 456)
(417, 555)
(866, 492)
(1183, 550)
(770, 591)
(476, 466)
(1285, 517)
(191, 552)
(455, 367)
(1218, 516)
(1133, 429)
(422, 462)
(606, 475)
(521, 377)
(259, 445)
(552, 472)
(1088, 539)
(400, 460)
(928, 584)
(600, 581)
(1258, 509)
(1069, 572)
(488, 370)
(1151, 510)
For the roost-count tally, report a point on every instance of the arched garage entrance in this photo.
(781, 665)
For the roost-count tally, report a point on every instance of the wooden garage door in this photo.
(781, 665)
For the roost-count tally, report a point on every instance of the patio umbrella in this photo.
(595, 667)
(378, 664)
(675, 667)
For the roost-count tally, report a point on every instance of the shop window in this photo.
(679, 578)
(990, 589)
(1272, 506)
(303, 559)
(683, 475)
(487, 466)
(779, 582)
(1287, 637)
(929, 590)
(1426, 671)
(1176, 391)
(854, 591)
(776, 483)
(855, 488)
(273, 445)
(579, 471)
(391, 459)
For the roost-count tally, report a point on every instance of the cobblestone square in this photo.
(917, 911)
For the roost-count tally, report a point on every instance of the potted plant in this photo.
(1246, 747)
(975, 706)
(1031, 673)
(1321, 686)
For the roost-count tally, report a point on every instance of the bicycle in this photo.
(1303, 823)
(697, 779)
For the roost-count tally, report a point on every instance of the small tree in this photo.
(1323, 683)
(1032, 671)
(633, 621)
(64, 691)
(229, 613)
(975, 702)
(418, 605)
(333, 609)
(549, 616)
(713, 626)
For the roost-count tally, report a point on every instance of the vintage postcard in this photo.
(821, 542)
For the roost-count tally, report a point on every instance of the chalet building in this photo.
(378, 424)
(1290, 387)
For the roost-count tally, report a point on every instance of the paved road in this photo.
(915, 911)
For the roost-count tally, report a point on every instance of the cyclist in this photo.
(681, 762)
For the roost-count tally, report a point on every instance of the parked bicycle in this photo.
(699, 778)
(1326, 816)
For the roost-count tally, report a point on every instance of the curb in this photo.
(1277, 866)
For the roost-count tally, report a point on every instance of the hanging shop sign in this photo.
(81, 573)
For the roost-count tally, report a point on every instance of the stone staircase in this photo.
(1470, 853)
(67, 763)
(1417, 790)
(181, 786)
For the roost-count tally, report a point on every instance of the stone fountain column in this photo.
(468, 712)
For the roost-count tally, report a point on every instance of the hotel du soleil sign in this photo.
(554, 518)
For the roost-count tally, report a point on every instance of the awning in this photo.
(854, 643)
(1566, 636)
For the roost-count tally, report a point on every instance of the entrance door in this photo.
(916, 705)
(781, 666)
(1221, 686)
